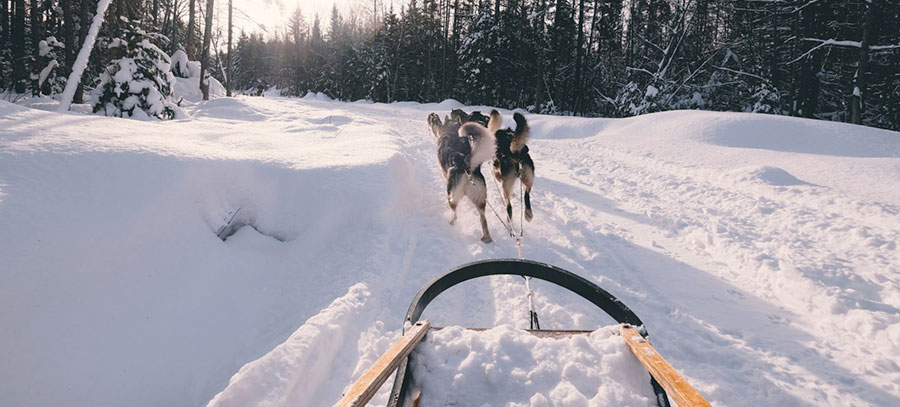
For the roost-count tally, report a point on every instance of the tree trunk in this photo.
(229, 79)
(859, 85)
(189, 42)
(445, 63)
(174, 21)
(68, 35)
(4, 36)
(18, 41)
(4, 25)
(579, 61)
(593, 29)
(204, 57)
(539, 77)
(82, 35)
(36, 34)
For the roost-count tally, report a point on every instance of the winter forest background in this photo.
(826, 59)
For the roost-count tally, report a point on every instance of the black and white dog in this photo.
(463, 144)
(512, 160)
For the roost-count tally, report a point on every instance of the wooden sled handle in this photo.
(676, 386)
(368, 384)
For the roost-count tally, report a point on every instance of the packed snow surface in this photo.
(760, 251)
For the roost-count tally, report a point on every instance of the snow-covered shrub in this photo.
(50, 79)
(765, 99)
(139, 84)
(180, 64)
(635, 100)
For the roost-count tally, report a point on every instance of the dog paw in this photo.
(528, 215)
(486, 239)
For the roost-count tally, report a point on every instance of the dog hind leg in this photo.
(527, 177)
(456, 190)
(477, 193)
(508, 183)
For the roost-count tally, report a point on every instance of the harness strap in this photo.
(510, 228)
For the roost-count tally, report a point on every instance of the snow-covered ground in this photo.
(760, 251)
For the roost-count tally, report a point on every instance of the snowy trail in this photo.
(764, 267)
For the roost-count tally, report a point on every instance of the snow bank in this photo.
(7, 108)
(126, 283)
(189, 89)
(765, 175)
(786, 134)
(316, 96)
(449, 104)
(292, 373)
(507, 367)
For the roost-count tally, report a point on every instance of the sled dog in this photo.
(463, 144)
(512, 160)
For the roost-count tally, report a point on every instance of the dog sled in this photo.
(664, 379)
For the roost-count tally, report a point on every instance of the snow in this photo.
(832, 41)
(466, 368)
(281, 375)
(760, 251)
(46, 46)
(46, 71)
(765, 175)
(180, 63)
(189, 89)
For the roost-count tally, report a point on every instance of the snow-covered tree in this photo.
(139, 83)
(180, 66)
(50, 79)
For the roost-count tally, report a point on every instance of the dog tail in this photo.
(521, 135)
(495, 122)
(434, 123)
(483, 144)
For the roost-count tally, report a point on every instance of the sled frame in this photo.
(542, 271)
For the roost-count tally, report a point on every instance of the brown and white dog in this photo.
(512, 160)
(463, 144)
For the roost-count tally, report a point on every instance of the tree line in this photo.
(39, 41)
(826, 59)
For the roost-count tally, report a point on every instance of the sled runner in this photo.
(664, 379)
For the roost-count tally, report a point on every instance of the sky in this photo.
(269, 16)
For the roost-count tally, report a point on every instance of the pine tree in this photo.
(139, 83)
(51, 78)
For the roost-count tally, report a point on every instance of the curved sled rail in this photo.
(542, 271)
